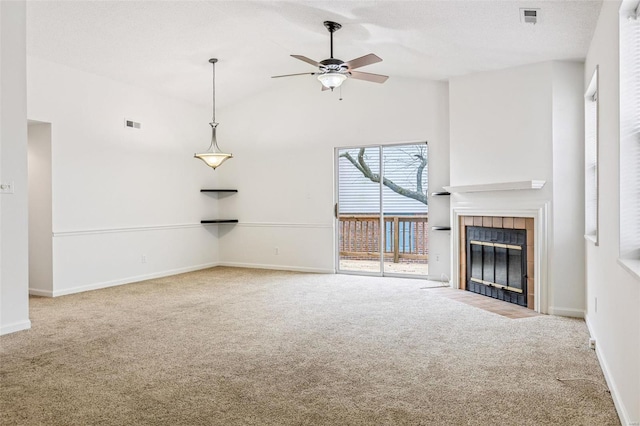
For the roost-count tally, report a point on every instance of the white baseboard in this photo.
(16, 326)
(130, 280)
(277, 267)
(566, 312)
(622, 412)
(38, 292)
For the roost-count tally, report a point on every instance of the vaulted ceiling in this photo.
(165, 45)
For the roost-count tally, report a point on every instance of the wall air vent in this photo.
(132, 124)
(529, 16)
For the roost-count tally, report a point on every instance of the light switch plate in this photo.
(6, 187)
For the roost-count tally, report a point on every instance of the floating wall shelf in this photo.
(499, 186)
(440, 194)
(441, 228)
(218, 221)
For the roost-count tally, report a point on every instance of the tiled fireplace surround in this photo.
(501, 222)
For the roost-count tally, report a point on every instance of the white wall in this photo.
(119, 193)
(40, 219)
(14, 301)
(439, 207)
(566, 255)
(283, 141)
(615, 321)
(519, 124)
(501, 127)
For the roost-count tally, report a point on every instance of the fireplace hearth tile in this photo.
(498, 307)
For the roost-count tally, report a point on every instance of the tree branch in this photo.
(423, 164)
(364, 168)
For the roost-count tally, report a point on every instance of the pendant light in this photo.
(214, 156)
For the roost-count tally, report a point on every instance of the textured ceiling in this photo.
(165, 45)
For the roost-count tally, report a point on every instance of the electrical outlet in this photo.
(276, 251)
(592, 343)
(6, 188)
(437, 258)
(143, 259)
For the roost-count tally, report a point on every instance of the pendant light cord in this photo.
(213, 119)
(214, 141)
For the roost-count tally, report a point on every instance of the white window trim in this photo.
(591, 95)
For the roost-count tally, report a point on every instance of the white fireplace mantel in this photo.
(499, 186)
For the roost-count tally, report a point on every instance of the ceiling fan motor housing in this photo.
(332, 64)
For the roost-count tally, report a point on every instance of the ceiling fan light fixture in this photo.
(331, 80)
(213, 157)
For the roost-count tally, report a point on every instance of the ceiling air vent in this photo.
(132, 124)
(529, 16)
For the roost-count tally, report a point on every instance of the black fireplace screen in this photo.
(497, 263)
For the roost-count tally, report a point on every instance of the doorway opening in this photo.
(382, 210)
(40, 208)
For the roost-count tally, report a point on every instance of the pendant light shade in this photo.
(213, 157)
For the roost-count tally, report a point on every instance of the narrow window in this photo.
(629, 131)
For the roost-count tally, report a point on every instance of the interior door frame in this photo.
(336, 199)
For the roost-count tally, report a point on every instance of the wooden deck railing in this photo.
(404, 237)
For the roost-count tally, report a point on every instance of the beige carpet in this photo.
(245, 347)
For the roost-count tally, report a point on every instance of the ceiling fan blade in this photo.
(291, 75)
(367, 76)
(307, 60)
(362, 61)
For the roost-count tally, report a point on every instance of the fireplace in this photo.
(497, 263)
(496, 257)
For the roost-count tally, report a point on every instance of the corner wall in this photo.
(14, 268)
(613, 294)
(566, 258)
(126, 202)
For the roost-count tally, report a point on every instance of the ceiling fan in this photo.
(332, 72)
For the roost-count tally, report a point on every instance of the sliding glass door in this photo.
(358, 220)
(381, 210)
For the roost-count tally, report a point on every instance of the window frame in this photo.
(629, 133)
(592, 213)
